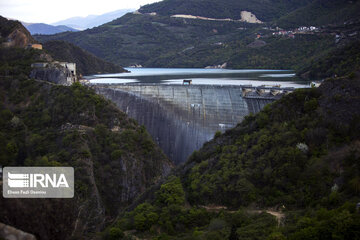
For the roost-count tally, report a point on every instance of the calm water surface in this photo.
(255, 77)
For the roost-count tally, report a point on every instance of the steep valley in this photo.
(279, 168)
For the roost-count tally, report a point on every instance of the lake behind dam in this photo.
(173, 76)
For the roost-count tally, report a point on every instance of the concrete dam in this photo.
(181, 118)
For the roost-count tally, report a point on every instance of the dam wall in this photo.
(182, 118)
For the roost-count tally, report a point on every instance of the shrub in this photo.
(217, 134)
(115, 234)
(216, 224)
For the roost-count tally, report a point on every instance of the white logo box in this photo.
(38, 182)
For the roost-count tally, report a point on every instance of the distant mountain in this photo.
(46, 29)
(91, 21)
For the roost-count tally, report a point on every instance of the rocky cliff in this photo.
(10, 233)
(14, 34)
(53, 73)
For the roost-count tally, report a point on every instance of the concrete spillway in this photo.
(182, 118)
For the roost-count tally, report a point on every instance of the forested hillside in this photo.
(266, 11)
(86, 63)
(338, 62)
(194, 43)
(43, 124)
(152, 38)
(290, 172)
(321, 12)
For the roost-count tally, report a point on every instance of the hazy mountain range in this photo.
(74, 24)
(91, 21)
(43, 28)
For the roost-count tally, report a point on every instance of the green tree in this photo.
(145, 216)
(171, 192)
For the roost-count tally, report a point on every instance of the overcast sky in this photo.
(49, 11)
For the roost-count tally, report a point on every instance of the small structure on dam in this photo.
(187, 82)
(181, 118)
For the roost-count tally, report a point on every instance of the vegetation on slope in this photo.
(6, 26)
(321, 12)
(338, 62)
(158, 41)
(264, 10)
(283, 155)
(86, 63)
(298, 157)
(13, 33)
(162, 41)
(43, 124)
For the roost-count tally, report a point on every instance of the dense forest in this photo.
(338, 62)
(43, 124)
(290, 172)
(321, 12)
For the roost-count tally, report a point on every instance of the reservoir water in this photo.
(255, 77)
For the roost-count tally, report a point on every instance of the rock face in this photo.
(182, 118)
(53, 73)
(18, 38)
(11, 233)
(15, 34)
(249, 17)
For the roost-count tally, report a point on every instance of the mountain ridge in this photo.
(91, 21)
(86, 63)
(46, 29)
(152, 38)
